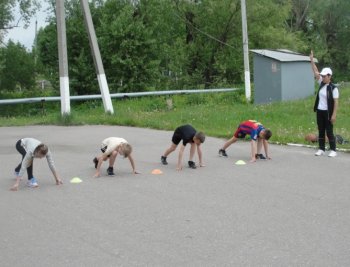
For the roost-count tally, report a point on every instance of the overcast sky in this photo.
(26, 36)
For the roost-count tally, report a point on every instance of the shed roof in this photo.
(282, 55)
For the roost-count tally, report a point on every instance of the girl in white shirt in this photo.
(31, 148)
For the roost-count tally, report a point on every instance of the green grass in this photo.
(215, 114)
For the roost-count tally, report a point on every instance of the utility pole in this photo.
(63, 58)
(101, 77)
(245, 51)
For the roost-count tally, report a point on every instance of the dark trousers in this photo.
(22, 151)
(325, 126)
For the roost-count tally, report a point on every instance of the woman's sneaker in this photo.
(319, 152)
(332, 154)
(32, 183)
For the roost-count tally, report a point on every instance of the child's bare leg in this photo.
(170, 149)
(101, 157)
(192, 151)
(112, 158)
(260, 142)
(229, 142)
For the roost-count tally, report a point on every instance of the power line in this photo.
(204, 33)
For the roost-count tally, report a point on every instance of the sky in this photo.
(26, 36)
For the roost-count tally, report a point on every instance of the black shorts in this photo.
(176, 138)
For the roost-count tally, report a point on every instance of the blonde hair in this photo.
(41, 150)
(127, 149)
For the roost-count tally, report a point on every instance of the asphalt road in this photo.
(292, 210)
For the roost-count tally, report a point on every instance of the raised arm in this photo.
(314, 67)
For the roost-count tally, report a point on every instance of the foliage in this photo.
(151, 44)
(81, 66)
(27, 9)
(47, 44)
(334, 20)
(128, 47)
(18, 68)
(325, 26)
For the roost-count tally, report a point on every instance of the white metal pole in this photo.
(101, 76)
(245, 51)
(63, 58)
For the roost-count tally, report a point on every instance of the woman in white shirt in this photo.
(326, 106)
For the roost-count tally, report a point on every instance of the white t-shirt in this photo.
(322, 104)
(112, 143)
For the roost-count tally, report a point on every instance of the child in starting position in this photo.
(187, 134)
(258, 134)
(110, 148)
(31, 148)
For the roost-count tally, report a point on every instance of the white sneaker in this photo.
(319, 152)
(332, 154)
(32, 183)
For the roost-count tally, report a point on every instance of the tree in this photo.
(128, 47)
(176, 44)
(332, 29)
(300, 15)
(82, 74)
(215, 42)
(27, 9)
(18, 70)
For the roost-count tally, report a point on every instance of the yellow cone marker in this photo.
(157, 171)
(240, 162)
(76, 180)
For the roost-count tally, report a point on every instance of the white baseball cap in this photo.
(326, 71)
